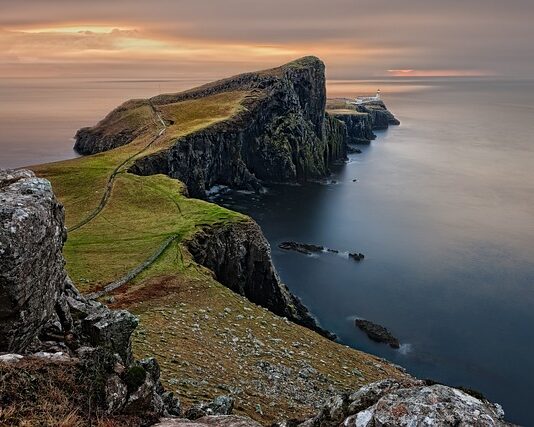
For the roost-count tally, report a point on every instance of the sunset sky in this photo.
(177, 38)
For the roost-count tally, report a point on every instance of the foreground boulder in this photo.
(31, 263)
(407, 403)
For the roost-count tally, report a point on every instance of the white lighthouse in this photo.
(366, 99)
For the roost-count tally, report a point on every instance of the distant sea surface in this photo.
(442, 207)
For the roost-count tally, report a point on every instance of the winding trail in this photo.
(134, 271)
(111, 180)
(130, 275)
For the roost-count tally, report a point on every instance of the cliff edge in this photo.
(279, 133)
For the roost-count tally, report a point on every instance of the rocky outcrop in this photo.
(361, 120)
(381, 117)
(43, 315)
(281, 134)
(407, 403)
(359, 125)
(240, 257)
(31, 264)
(377, 332)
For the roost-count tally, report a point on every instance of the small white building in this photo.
(365, 99)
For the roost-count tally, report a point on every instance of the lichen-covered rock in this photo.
(240, 256)
(221, 405)
(392, 403)
(116, 393)
(43, 314)
(31, 264)
(111, 329)
(428, 405)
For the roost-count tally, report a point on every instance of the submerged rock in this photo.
(377, 332)
(303, 248)
(356, 256)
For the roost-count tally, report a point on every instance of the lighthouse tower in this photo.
(377, 97)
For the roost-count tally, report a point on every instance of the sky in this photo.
(357, 39)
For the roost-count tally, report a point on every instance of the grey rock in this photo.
(407, 402)
(116, 393)
(428, 405)
(111, 329)
(171, 404)
(31, 262)
(145, 399)
(221, 405)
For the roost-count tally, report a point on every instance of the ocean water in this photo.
(443, 209)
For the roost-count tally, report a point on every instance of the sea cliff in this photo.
(190, 282)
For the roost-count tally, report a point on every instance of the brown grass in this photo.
(34, 392)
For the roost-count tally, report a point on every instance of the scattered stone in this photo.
(222, 405)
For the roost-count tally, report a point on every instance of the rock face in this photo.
(43, 315)
(408, 403)
(31, 263)
(240, 257)
(377, 332)
(282, 133)
(359, 125)
(381, 117)
(361, 120)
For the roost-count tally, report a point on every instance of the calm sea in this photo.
(443, 209)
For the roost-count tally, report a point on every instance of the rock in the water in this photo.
(356, 256)
(377, 332)
(31, 263)
(303, 248)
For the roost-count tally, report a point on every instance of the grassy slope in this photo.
(204, 349)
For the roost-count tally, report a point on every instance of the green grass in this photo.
(142, 211)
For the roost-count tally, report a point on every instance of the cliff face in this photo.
(381, 117)
(359, 126)
(240, 257)
(280, 135)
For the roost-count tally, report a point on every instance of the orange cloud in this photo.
(437, 73)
